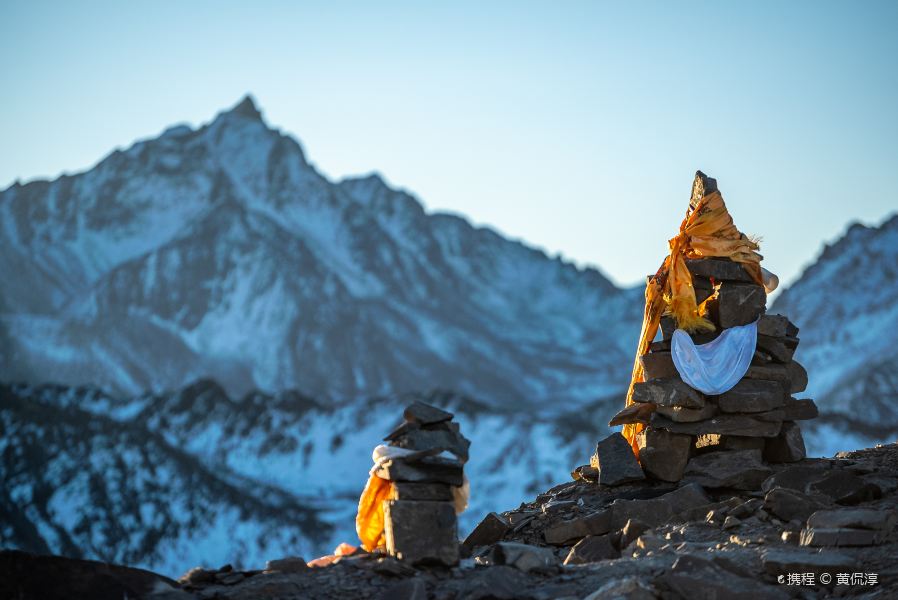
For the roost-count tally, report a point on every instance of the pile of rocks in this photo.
(420, 523)
(723, 440)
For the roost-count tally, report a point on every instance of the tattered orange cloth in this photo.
(369, 521)
(707, 231)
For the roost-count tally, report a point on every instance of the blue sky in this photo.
(576, 126)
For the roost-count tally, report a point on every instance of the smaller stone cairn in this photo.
(420, 523)
(716, 441)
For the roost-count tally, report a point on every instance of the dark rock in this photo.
(656, 511)
(799, 410)
(844, 487)
(668, 326)
(426, 470)
(435, 439)
(687, 415)
(796, 477)
(229, 578)
(664, 454)
(742, 442)
(755, 425)
(421, 532)
(586, 473)
(626, 588)
(798, 377)
(752, 396)
(788, 446)
(632, 530)
(820, 537)
(638, 412)
(590, 549)
(524, 557)
(198, 576)
(407, 589)
(771, 372)
(406, 490)
(857, 518)
(24, 575)
(387, 565)
(597, 523)
(489, 531)
(695, 577)
(782, 562)
(776, 326)
(616, 462)
(425, 414)
(740, 469)
(401, 430)
(740, 303)
(291, 564)
(668, 392)
(720, 269)
(780, 349)
(658, 365)
(660, 346)
(747, 508)
(500, 582)
(790, 504)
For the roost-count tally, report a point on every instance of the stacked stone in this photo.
(756, 418)
(420, 523)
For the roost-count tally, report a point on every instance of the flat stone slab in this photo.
(561, 533)
(822, 537)
(788, 504)
(782, 562)
(758, 425)
(523, 557)
(877, 519)
(406, 490)
(739, 469)
(443, 438)
(658, 365)
(776, 326)
(489, 531)
(799, 410)
(427, 470)
(753, 396)
(655, 511)
(616, 462)
(671, 391)
(692, 576)
(719, 269)
(425, 414)
(798, 377)
(592, 548)
(844, 487)
(779, 349)
(740, 303)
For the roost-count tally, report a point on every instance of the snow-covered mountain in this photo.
(221, 252)
(846, 305)
(196, 477)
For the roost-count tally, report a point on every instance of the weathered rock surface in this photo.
(740, 303)
(425, 414)
(752, 396)
(668, 392)
(799, 410)
(658, 365)
(664, 454)
(786, 447)
(679, 414)
(426, 470)
(489, 531)
(756, 425)
(739, 469)
(421, 532)
(720, 269)
(590, 549)
(616, 462)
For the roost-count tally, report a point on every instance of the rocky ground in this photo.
(818, 528)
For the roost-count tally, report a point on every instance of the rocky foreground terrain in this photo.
(817, 528)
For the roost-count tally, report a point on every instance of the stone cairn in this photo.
(420, 523)
(723, 440)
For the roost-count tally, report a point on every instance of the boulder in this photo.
(756, 425)
(779, 349)
(798, 377)
(687, 415)
(844, 487)
(771, 372)
(590, 549)
(444, 437)
(562, 532)
(752, 396)
(658, 365)
(789, 504)
(720, 269)
(776, 326)
(796, 477)
(490, 530)
(425, 414)
(822, 537)
(421, 532)
(664, 454)
(739, 469)
(616, 462)
(26, 575)
(781, 562)
(431, 469)
(786, 447)
(670, 391)
(740, 303)
(656, 511)
(697, 577)
(799, 410)
(858, 518)
(523, 557)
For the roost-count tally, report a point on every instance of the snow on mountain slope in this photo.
(224, 248)
(81, 484)
(846, 305)
(282, 449)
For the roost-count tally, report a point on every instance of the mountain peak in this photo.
(247, 108)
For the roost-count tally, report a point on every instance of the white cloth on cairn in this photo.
(717, 366)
